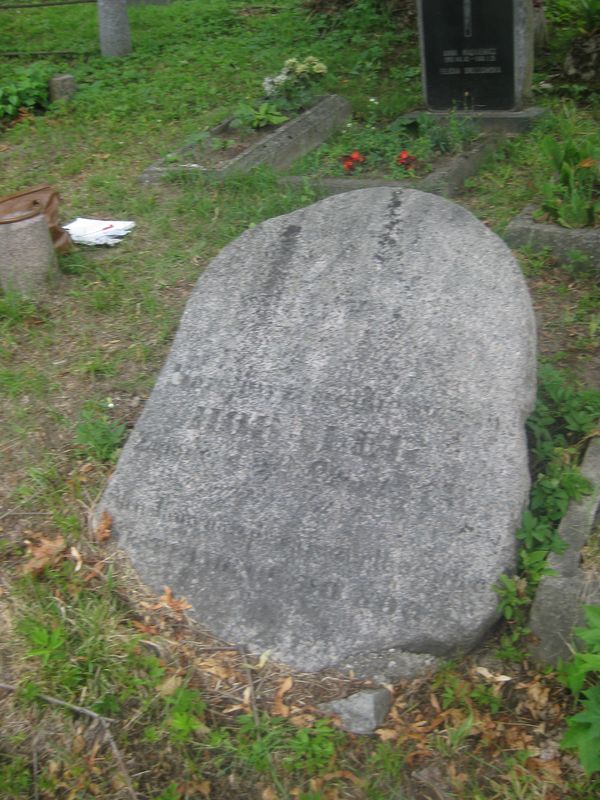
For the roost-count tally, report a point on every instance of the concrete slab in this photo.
(524, 231)
(447, 180)
(489, 121)
(557, 607)
(277, 149)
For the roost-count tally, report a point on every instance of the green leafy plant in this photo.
(583, 670)
(47, 643)
(572, 197)
(97, 435)
(292, 90)
(313, 748)
(563, 416)
(255, 743)
(584, 15)
(399, 149)
(259, 116)
(15, 777)
(185, 714)
(450, 137)
(15, 309)
(26, 87)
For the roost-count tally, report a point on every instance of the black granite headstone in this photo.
(468, 54)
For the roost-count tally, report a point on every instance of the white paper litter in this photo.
(98, 231)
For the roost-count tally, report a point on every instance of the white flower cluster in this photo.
(294, 71)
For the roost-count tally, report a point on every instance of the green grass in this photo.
(76, 366)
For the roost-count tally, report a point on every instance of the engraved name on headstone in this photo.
(333, 459)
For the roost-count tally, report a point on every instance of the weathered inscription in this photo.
(333, 458)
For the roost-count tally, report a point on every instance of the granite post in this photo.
(27, 257)
(115, 37)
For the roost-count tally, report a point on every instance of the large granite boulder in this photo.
(333, 460)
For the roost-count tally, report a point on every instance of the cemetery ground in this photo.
(191, 718)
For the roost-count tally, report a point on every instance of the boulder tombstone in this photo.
(333, 459)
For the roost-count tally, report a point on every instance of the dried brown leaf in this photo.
(302, 720)
(215, 666)
(103, 530)
(279, 707)
(76, 556)
(232, 709)
(247, 696)
(44, 553)
(346, 775)
(151, 630)
(169, 686)
(167, 598)
(387, 734)
(491, 676)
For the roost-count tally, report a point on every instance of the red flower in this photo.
(406, 160)
(350, 161)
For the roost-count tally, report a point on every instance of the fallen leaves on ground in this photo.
(43, 552)
(168, 600)
(280, 709)
(103, 530)
(169, 686)
(76, 556)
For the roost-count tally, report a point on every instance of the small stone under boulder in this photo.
(333, 461)
(361, 712)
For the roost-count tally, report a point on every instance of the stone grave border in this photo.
(524, 231)
(447, 180)
(506, 122)
(556, 609)
(278, 149)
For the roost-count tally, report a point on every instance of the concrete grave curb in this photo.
(278, 149)
(556, 609)
(524, 231)
(488, 121)
(447, 180)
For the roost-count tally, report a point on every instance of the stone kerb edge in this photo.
(447, 181)
(507, 122)
(557, 607)
(278, 149)
(524, 231)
